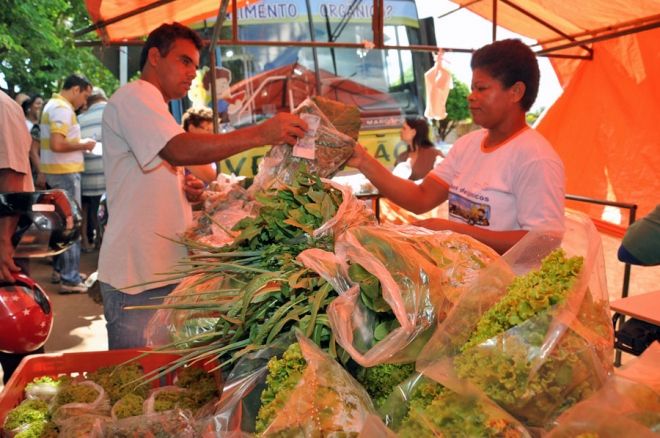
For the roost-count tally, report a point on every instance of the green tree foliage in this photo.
(37, 46)
(457, 109)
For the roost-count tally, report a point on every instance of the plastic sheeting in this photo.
(605, 124)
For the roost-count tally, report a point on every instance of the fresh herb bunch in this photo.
(434, 410)
(76, 393)
(200, 386)
(516, 371)
(309, 394)
(262, 290)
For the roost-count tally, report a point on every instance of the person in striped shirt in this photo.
(93, 177)
(62, 162)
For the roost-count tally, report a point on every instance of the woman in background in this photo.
(421, 156)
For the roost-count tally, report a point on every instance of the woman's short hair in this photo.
(195, 117)
(510, 61)
(421, 127)
(164, 36)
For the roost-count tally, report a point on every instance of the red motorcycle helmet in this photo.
(26, 317)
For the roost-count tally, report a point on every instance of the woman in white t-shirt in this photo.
(501, 181)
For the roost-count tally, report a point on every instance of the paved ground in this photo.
(79, 324)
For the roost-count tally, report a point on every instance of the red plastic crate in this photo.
(75, 364)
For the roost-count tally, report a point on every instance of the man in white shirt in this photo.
(15, 176)
(144, 149)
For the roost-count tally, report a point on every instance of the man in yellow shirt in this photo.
(62, 161)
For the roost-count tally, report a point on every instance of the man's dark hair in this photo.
(76, 80)
(164, 36)
(510, 61)
(195, 117)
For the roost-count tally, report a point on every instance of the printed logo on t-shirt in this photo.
(466, 210)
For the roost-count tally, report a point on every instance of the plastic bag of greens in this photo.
(536, 343)
(396, 283)
(176, 323)
(76, 399)
(174, 423)
(45, 388)
(84, 425)
(29, 418)
(620, 408)
(351, 213)
(628, 404)
(325, 151)
(307, 393)
(235, 413)
(420, 407)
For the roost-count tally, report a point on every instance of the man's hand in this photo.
(7, 265)
(283, 128)
(87, 144)
(358, 157)
(40, 183)
(194, 187)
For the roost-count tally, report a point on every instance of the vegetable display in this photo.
(523, 357)
(437, 411)
(310, 394)
(395, 284)
(327, 324)
(258, 289)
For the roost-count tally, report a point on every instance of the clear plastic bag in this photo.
(99, 407)
(226, 202)
(351, 213)
(421, 274)
(175, 423)
(325, 401)
(180, 325)
(332, 150)
(550, 350)
(420, 407)
(622, 407)
(83, 426)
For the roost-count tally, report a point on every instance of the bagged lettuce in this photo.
(536, 343)
(301, 392)
(628, 404)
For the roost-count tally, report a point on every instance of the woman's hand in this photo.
(194, 187)
(359, 156)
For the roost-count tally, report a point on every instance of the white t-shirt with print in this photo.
(518, 185)
(146, 200)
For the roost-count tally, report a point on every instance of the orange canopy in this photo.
(605, 124)
(136, 18)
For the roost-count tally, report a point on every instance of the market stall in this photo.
(297, 314)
